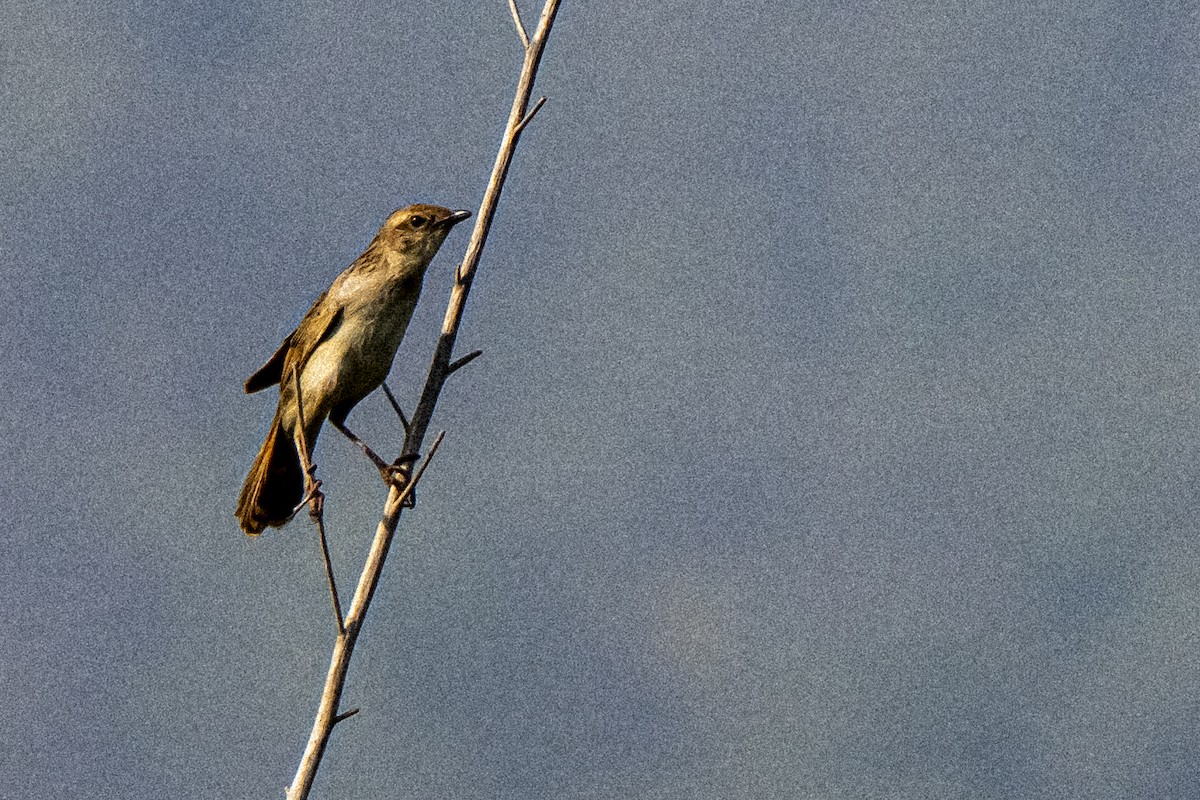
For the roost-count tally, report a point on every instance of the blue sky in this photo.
(835, 436)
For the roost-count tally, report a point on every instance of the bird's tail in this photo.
(274, 484)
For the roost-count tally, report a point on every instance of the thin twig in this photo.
(528, 118)
(345, 715)
(317, 509)
(396, 407)
(455, 366)
(512, 6)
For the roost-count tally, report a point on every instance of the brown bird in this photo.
(343, 349)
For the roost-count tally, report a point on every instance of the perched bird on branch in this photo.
(343, 350)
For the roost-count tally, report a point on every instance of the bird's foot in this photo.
(398, 474)
(314, 498)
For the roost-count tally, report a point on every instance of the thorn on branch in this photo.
(516, 15)
(345, 715)
(455, 366)
(396, 407)
(525, 120)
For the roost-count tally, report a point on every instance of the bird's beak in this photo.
(454, 219)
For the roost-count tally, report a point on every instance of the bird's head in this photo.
(419, 230)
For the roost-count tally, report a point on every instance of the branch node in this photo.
(455, 366)
(345, 715)
(525, 120)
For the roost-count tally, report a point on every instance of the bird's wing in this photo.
(270, 373)
(320, 320)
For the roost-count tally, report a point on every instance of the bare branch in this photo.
(313, 495)
(462, 362)
(516, 15)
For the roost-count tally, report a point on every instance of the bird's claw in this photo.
(314, 498)
(398, 474)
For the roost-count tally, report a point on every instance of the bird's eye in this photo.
(418, 222)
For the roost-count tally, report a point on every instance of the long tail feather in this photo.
(274, 484)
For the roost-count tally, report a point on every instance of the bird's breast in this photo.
(355, 358)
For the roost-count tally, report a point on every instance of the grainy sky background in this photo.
(835, 437)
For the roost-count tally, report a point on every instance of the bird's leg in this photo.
(379, 463)
(396, 407)
(313, 497)
(396, 474)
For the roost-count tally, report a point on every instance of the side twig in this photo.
(516, 15)
(345, 715)
(455, 366)
(528, 118)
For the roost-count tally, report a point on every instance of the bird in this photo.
(343, 350)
